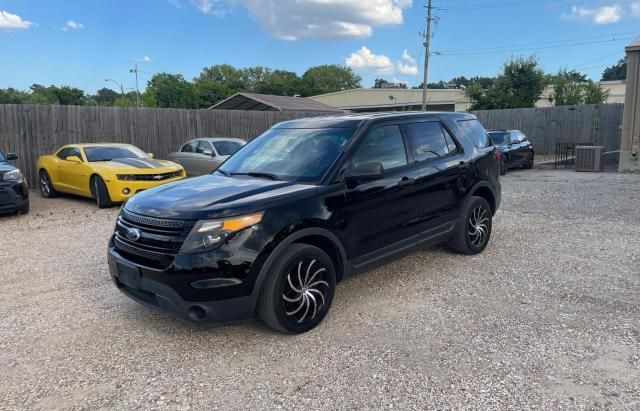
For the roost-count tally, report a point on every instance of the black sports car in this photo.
(14, 192)
(516, 149)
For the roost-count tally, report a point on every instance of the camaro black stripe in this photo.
(151, 162)
(135, 162)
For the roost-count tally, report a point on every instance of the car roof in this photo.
(84, 145)
(499, 130)
(356, 120)
(216, 139)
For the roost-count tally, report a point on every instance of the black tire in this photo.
(504, 165)
(46, 186)
(314, 275)
(529, 163)
(100, 193)
(25, 209)
(474, 230)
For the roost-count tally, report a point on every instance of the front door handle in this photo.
(406, 181)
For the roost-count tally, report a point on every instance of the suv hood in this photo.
(215, 196)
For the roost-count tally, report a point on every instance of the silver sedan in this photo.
(203, 155)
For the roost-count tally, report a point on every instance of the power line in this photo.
(613, 40)
(501, 4)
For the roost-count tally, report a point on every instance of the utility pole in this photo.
(135, 70)
(427, 44)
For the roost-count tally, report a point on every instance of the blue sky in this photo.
(83, 42)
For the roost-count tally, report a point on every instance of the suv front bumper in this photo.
(158, 289)
(13, 196)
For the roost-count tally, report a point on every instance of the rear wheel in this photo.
(100, 192)
(504, 165)
(299, 290)
(46, 187)
(474, 231)
(25, 209)
(529, 163)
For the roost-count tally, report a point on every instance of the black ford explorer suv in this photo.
(302, 207)
(14, 192)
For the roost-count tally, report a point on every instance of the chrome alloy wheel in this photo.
(305, 291)
(479, 226)
(45, 184)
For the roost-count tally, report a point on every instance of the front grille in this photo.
(159, 239)
(150, 177)
(5, 197)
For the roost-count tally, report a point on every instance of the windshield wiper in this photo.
(268, 176)
(224, 173)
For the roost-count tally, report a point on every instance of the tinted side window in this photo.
(427, 140)
(190, 147)
(64, 153)
(204, 146)
(475, 132)
(451, 145)
(514, 137)
(69, 152)
(384, 145)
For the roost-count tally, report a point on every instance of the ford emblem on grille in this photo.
(133, 234)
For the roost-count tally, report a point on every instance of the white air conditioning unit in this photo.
(589, 158)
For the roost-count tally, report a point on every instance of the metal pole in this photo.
(427, 44)
(135, 70)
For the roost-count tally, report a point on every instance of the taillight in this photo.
(497, 154)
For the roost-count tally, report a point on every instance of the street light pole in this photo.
(117, 84)
(135, 70)
(427, 44)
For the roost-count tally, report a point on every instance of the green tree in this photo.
(328, 79)
(379, 82)
(616, 72)
(105, 97)
(573, 88)
(13, 96)
(520, 85)
(171, 91)
(280, 83)
(594, 94)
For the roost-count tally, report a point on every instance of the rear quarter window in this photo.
(475, 132)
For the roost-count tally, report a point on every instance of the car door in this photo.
(378, 213)
(205, 160)
(73, 176)
(515, 155)
(442, 174)
(187, 157)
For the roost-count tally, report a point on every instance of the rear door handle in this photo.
(406, 181)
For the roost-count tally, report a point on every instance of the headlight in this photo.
(209, 234)
(14, 175)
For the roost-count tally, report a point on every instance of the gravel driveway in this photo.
(548, 316)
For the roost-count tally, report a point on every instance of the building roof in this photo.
(363, 98)
(264, 102)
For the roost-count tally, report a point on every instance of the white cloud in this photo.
(598, 15)
(292, 20)
(73, 25)
(635, 9)
(10, 21)
(365, 61)
(407, 64)
(209, 7)
(144, 59)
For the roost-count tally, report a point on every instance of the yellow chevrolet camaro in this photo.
(109, 173)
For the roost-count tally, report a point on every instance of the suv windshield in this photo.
(226, 148)
(109, 153)
(302, 155)
(499, 137)
(2, 157)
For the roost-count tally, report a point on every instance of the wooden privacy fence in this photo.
(31, 130)
(599, 124)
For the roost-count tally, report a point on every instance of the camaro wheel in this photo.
(474, 230)
(299, 290)
(100, 192)
(46, 187)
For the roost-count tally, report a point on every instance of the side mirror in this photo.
(74, 159)
(365, 172)
(12, 156)
(150, 155)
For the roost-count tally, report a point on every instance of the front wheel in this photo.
(504, 165)
(529, 163)
(100, 192)
(46, 186)
(299, 290)
(474, 230)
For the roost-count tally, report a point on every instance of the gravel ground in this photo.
(548, 317)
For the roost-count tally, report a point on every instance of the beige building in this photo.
(390, 99)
